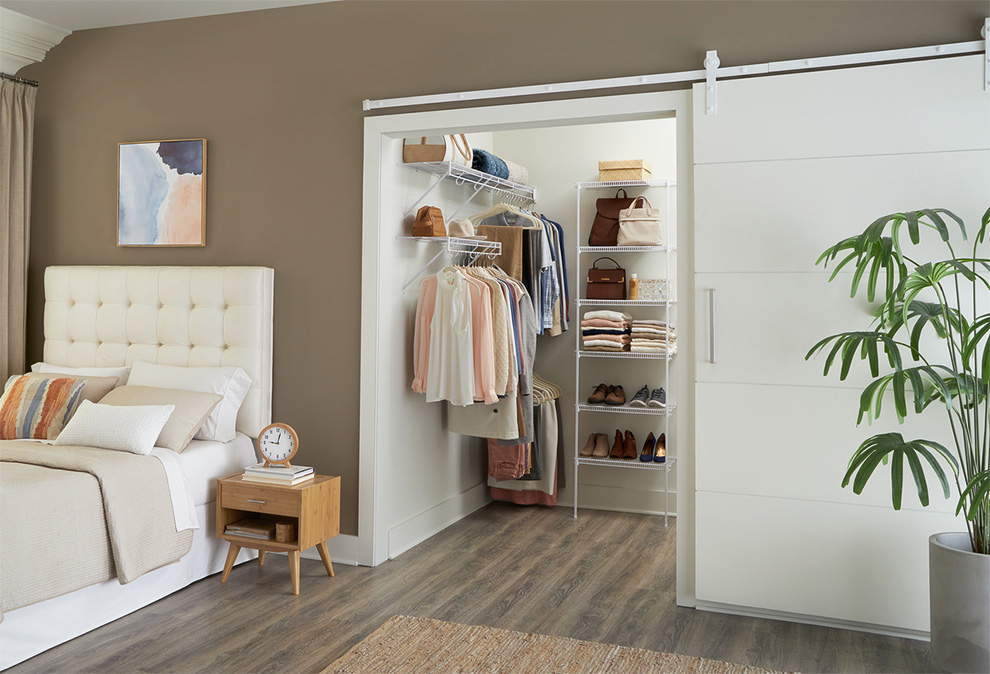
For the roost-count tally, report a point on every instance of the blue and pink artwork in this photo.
(161, 193)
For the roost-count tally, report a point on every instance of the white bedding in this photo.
(32, 629)
(205, 461)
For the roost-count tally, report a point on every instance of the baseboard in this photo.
(640, 501)
(768, 614)
(417, 529)
(343, 549)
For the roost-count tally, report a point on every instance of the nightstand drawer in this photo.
(260, 499)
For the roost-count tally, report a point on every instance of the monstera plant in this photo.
(928, 350)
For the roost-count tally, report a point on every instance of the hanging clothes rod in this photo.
(816, 63)
(19, 80)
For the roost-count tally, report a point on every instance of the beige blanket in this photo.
(74, 516)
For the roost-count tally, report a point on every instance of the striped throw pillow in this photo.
(38, 408)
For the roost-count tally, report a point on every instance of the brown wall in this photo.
(278, 95)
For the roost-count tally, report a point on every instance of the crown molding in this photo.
(25, 40)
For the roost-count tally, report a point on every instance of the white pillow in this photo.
(232, 383)
(128, 429)
(120, 373)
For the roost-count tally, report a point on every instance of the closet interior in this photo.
(497, 343)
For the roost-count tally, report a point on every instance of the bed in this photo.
(180, 316)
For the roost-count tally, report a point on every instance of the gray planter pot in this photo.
(959, 586)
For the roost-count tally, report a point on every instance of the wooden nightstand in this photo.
(313, 506)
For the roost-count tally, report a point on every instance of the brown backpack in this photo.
(605, 228)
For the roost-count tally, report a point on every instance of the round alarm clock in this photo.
(277, 444)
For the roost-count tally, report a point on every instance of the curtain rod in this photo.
(19, 80)
(815, 63)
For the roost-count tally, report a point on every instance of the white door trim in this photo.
(372, 527)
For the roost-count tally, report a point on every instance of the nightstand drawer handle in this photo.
(254, 500)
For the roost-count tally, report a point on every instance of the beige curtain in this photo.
(16, 146)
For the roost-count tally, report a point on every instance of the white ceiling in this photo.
(82, 14)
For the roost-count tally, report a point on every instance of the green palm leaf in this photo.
(977, 492)
(894, 448)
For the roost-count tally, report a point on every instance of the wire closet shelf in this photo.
(506, 191)
(471, 249)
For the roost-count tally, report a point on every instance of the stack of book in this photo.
(278, 474)
(252, 528)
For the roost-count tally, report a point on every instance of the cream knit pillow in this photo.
(127, 429)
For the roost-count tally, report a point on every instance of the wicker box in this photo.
(656, 289)
(285, 532)
(624, 169)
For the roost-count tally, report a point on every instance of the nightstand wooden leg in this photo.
(294, 570)
(325, 556)
(229, 564)
(261, 557)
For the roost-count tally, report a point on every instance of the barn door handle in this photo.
(711, 325)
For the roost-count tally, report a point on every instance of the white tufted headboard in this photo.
(187, 316)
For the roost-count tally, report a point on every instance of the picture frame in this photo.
(161, 193)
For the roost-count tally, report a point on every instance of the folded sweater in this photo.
(608, 315)
(602, 323)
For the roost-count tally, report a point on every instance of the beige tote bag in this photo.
(639, 225)
(452, 148)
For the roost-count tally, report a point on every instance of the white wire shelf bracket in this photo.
(626, 409)
(624, 303)
(626, 249)
(665, 466)
(625, 354)
(451, 245)
(478, 181)
(601, 184)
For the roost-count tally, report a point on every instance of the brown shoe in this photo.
(616, 396)
(601, 446)
(616, 452)
(629, 447)
(598, 397)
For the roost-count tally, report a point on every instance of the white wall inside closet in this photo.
(790, 165)
(557, 158)
(436, 476)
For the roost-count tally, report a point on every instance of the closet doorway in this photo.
(415, 477)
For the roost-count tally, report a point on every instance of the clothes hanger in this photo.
(507, 208)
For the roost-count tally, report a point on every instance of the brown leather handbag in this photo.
(605, 228)
(606, 284)
(429, 222)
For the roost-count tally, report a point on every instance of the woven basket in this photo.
(655, 289)
(624, 169)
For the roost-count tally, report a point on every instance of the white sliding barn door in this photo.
(790, 165)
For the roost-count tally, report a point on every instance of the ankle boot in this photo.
(661, 454)
(629, 447)
(589, 446)
(616, 452)
(649, 448)
(601, 446)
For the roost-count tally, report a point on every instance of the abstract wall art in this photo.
(161, 193)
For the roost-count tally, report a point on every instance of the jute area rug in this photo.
(406, 645)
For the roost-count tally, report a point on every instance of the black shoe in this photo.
(649, 448)
(658, 398)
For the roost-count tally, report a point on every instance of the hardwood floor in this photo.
(604, 577)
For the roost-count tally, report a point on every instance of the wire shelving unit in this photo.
(667, 305)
